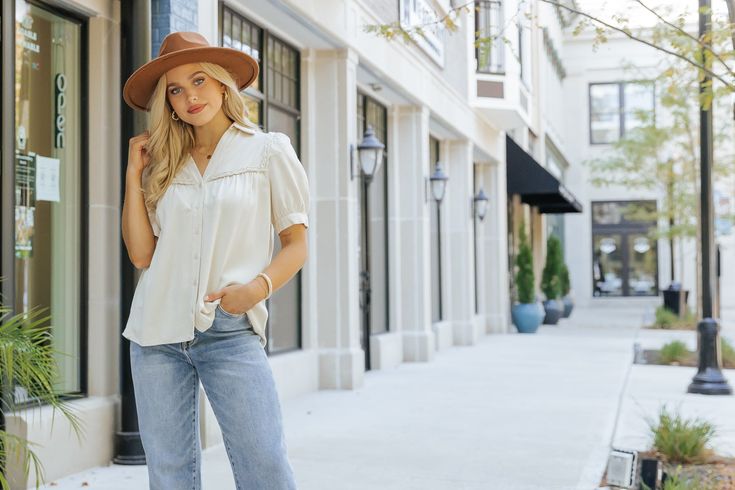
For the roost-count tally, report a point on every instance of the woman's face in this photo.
(194, 96)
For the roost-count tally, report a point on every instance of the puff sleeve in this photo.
(154, 223)
(289, 185)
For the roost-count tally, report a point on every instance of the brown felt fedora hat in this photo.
(180, 48)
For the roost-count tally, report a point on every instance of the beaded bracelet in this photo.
(268, 281)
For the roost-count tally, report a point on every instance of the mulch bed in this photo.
(716, 473)
(653, 356)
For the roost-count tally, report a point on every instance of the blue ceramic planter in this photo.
(527, 317)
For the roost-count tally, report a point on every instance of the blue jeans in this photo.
(236, 375)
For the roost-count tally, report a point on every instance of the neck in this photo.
(207, 135)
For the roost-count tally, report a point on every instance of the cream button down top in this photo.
(215, 230)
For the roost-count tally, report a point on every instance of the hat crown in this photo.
(176, 41)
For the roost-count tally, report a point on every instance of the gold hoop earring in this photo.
(174, 116)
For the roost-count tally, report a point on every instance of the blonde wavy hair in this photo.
(170, 141)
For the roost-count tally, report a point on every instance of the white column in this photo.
(413, 296)
(457, 222)
(334, 301)
(496, 296)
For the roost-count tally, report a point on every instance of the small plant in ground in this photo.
(728, 353)
(668, 320)
(674, 351)
(681, 440)
(675, 481)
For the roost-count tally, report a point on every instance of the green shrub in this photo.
(550, 277)
(675, 481)
(681, 440)
(564, 278)
(524, 274)
(668, 320)
(674, 351)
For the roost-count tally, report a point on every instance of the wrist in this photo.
(260, 287)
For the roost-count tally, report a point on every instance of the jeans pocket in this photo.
(227, 313)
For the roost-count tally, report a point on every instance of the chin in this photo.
(201, 118)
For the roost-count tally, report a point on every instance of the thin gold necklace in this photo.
(209, 155)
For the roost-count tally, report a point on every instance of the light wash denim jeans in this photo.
(236, 375)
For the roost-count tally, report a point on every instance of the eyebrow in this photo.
(190, 77)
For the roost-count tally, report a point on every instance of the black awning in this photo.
(536, 186)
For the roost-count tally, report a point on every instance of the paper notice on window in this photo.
(47, 179)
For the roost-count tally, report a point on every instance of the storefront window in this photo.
(48, 184)
(625, 256)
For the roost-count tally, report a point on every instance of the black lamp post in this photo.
(370, 155)
(709, 379)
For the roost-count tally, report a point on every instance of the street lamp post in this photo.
(370, 155)
(709, 379)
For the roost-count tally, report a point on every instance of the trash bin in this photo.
(671, 298)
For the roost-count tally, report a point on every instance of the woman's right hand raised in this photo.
(138, 156)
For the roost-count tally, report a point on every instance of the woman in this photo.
(205, 189)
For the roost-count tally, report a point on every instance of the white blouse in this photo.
(215, 230)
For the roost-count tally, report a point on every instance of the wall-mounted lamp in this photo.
(370, 155)
(480, 202)
(438, 182)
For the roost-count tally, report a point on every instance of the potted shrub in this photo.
(565, 291)
(27, 365)
(526, 313)
(551, 283)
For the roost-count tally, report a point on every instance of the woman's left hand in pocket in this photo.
(236, 298)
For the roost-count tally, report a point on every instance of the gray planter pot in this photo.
(568, 306)
(554, 310)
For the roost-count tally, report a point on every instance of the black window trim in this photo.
(621, 105)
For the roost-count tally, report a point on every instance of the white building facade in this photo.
(393, 276)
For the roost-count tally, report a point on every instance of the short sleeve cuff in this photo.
(284, 222)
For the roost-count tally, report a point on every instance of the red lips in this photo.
(195, 108)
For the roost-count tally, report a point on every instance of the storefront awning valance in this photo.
(536, 186)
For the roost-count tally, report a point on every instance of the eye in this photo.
(174, 91)
(198, 81)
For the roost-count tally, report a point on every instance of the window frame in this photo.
(621, 107)
(484, 5)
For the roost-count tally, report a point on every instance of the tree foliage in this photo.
(525, 279)
(27, 367)
(551, 275)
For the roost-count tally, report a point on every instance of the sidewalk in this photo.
(513, 412)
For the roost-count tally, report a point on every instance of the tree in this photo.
(551, 275)
(662, 153)
(581, 20)
(525, 279)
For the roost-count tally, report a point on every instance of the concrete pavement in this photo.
(512, 412)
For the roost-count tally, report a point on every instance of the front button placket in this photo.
(198, 239)
(199, 217)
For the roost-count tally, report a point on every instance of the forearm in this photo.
(136, 228)
(284, 266)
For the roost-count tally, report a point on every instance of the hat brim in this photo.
(140, 85)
